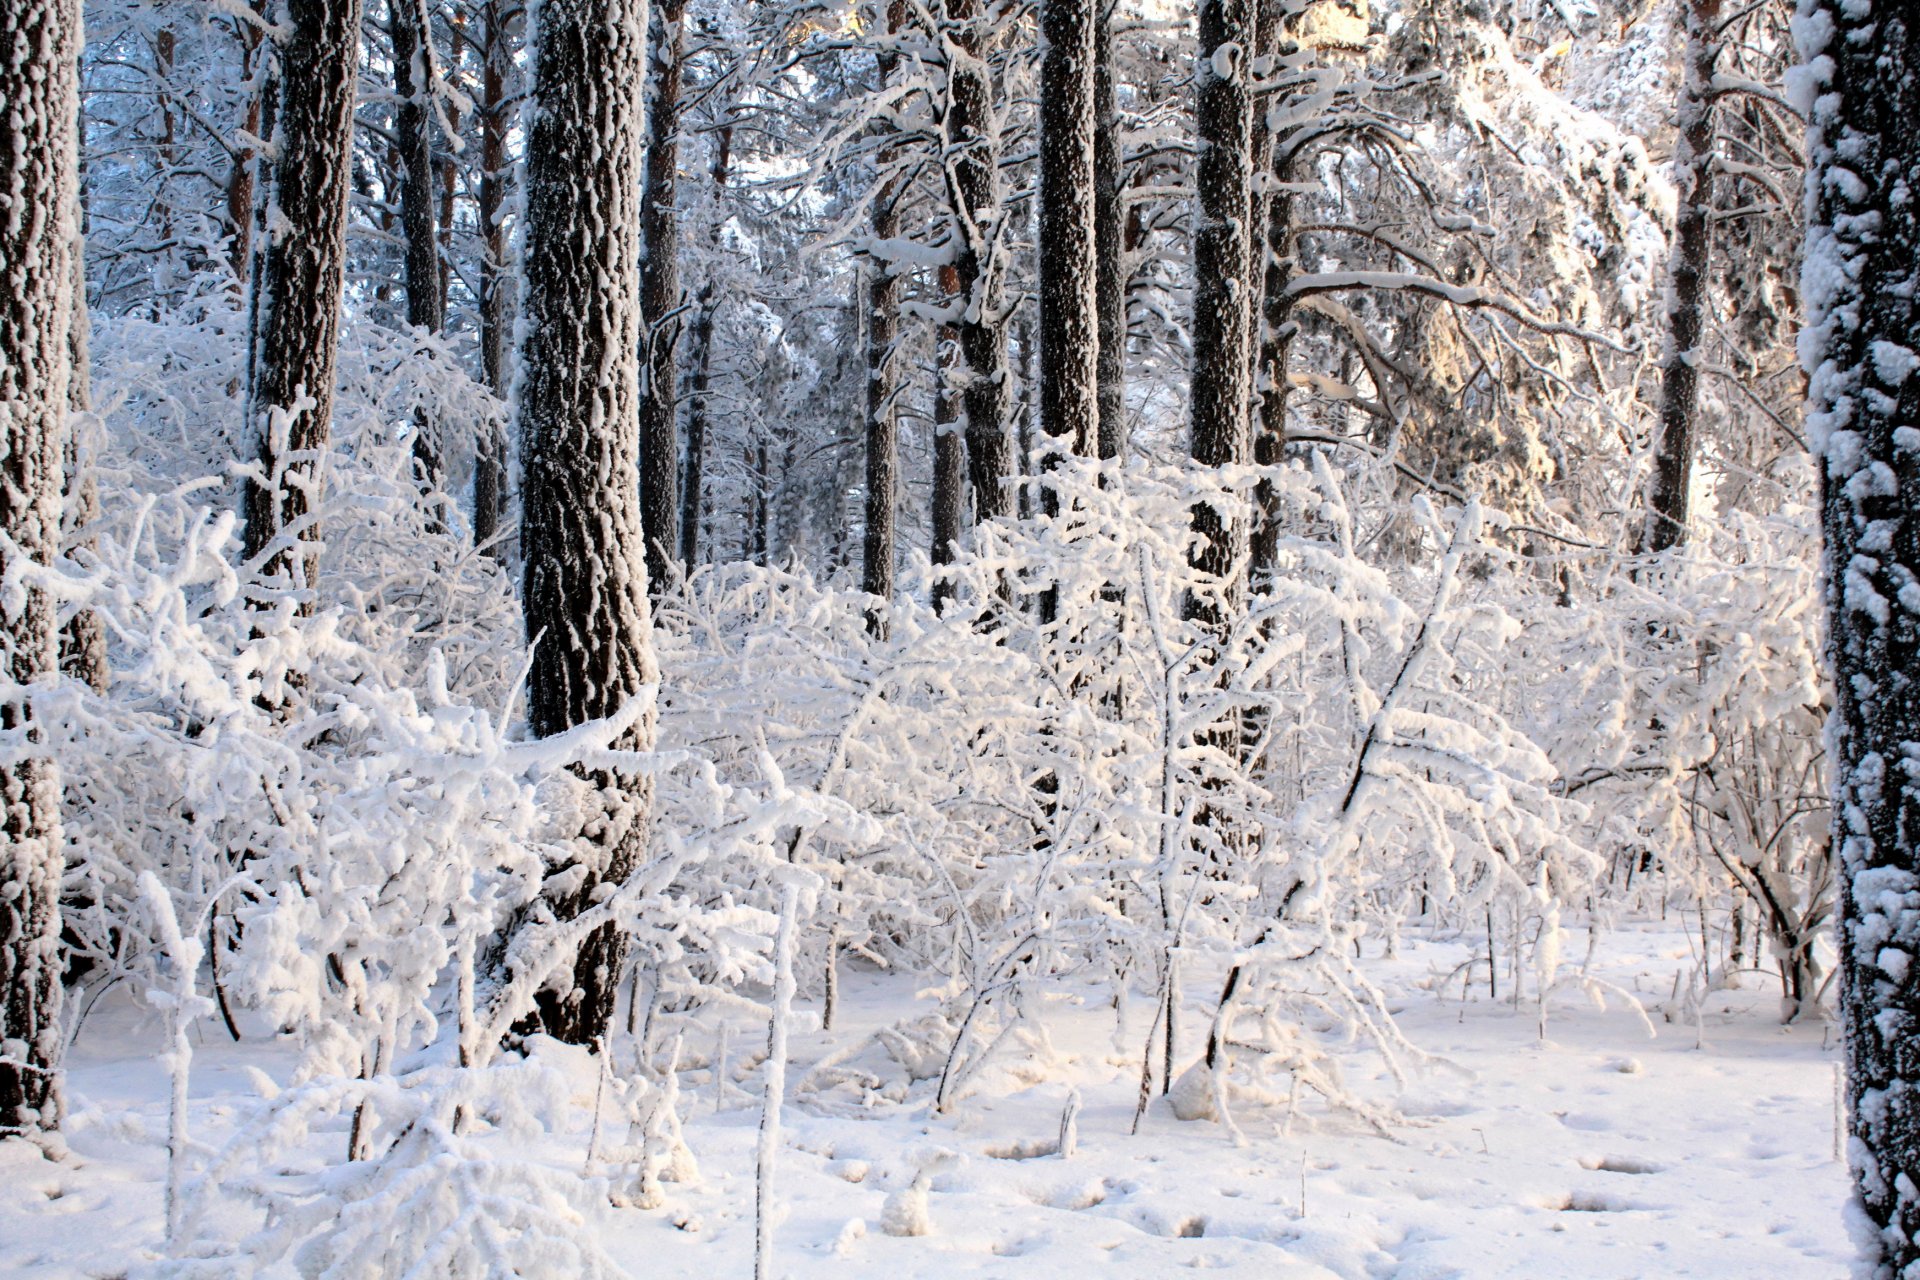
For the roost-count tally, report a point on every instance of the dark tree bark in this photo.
(1109, 251)
(1693, 161)
(1069, 326)
(1270, 368)
(83, 641)
(412, 38)
(693, 492)
(973, 178)
(878, 551)
(949, 469)
(39, 83)
(1862, 350)
(240, 178)
(1069, 378)
(660, 301)
(297, 287)
(581, 535)
(490, 461)
(1222, 269)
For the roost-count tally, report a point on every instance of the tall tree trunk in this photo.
(1109, 251)
(1222, 269)
(1270, 368)
(581, 535)
(39, 82)
(490, 460)
(412, 36)
(878, 551)
(973, 176)
(949, 463)
(297, 287)
(1069, 327)
(1863, 330)
(660, 301)
(693, 493)
(1069, 380)
(83, 641)
(240, 176)
(1693, 161)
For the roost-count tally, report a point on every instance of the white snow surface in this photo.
(1707, 1150)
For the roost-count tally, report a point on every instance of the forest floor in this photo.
(1706, 1150)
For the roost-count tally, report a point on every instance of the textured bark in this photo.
(660, 301)
(693, 492)
(297, 286)
(1109, 253)
(490, 461)
(1222, 268)
(581, 537)
(879, 551)
(1270, 367)
(240, 177)
(973, 176)
(83, 641)
(949, 470)
(411, 34)
(1693, 161)
(1862, 350)
(1069, 328)
(39, 85)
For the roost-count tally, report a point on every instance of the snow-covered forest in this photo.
(959, 637)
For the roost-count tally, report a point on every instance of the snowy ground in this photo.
(1596, 1153)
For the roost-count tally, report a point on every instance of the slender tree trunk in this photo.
(1069, 379)
(297, 288)
(692, 494)
(1222, 269)
(1270, 370)
(1109, 253)
(660, 301)
(949, 467)
(83, 641)
(490, 461)
(240, 177)
(878, 551)
(1693, 161)
(412, 37)
(973, 141)
(1863, 330)
(39, 83)
(581, 534)
(1069, 327)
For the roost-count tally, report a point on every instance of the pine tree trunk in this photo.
(949, 469)
(1862, 351)
(297, 287)
(660, 301)
(490, 461)
(1270, 369)
(1069, 378)
(1109, 252)
(240, 177)
(882, 444)
(1693, 161)
(412, 38)
(39, 83)
(83, 641)
(973, 140)
(878, 551)
(1069, 323)
(693, 492)
(581, 535)
(1222, 272)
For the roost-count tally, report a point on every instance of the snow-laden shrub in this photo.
(1114, 791)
